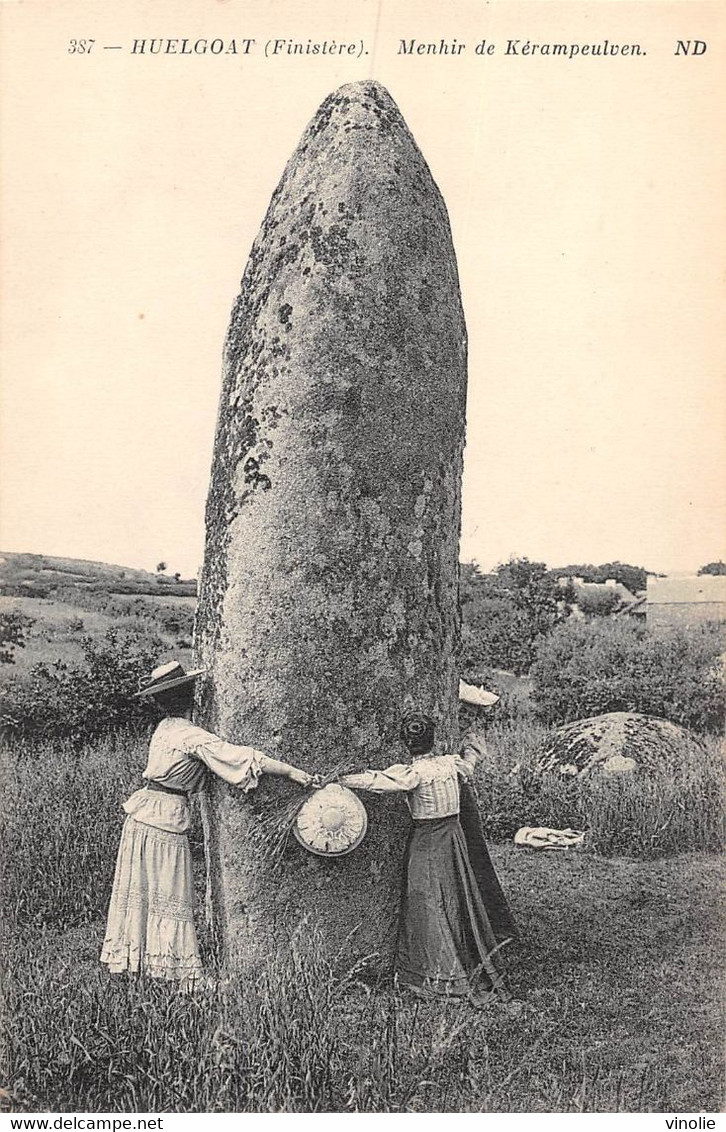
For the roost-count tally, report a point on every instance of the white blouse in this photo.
(179, 753)
(431, 783)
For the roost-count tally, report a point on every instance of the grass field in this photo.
(619, 970)
(59, 627)
(619, 967)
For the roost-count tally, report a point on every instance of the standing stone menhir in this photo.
(330, 584)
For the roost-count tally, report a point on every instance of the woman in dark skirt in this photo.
(447, 944)
(476, 708)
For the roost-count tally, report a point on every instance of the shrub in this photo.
(677, 810)
(13, 627)
(510, 791)
(713, 568)
(586, 668)
(504, 616)
(138, 627)
(634, 577)
(94, 600)
(597, 603)
(177, 621)
(89, 699)
(495, 633)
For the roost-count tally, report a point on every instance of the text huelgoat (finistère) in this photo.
(272, 47)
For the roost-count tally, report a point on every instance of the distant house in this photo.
(682, 600)
(587, 593)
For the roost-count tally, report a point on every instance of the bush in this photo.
(677, 810)
(634, 577)
(586, 668)
(495, 633)
(713, 568)
(13, 627)
(177, 621)
(597, 603)
(83, 701)
(503, 616)
(95, 601)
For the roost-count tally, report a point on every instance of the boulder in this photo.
(618, 742)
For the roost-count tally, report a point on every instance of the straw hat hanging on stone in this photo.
(171, 675)
(332, 822)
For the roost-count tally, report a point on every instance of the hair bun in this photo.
(417, 728)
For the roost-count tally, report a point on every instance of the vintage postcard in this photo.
(363, 557)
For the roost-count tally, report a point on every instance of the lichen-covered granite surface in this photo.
(329, 589)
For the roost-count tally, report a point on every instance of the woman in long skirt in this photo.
(151, 915)
(476, 708)
(446, 944)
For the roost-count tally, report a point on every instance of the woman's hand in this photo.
(300, 776)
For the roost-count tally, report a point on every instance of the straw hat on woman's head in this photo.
(477, 696)
(165, 677)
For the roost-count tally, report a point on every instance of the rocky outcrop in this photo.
(618, 742)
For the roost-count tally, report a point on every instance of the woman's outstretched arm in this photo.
(472, 749)
(284, 770)
(399, 778)
(239, 765)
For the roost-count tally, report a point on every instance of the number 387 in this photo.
(80, 46)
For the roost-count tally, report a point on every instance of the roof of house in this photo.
(635, 607)
(687, 590)
(611, 586)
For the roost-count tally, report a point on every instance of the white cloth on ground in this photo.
(541, 837)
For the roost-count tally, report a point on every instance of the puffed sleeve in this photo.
(472, 748)
(399, 778)
(241, 766)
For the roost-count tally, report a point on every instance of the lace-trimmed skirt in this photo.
(446, 941)
(151, 916)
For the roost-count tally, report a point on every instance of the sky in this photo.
(586, 203)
